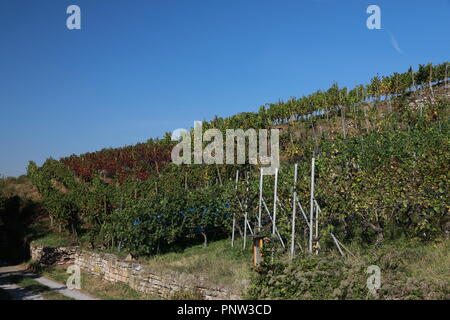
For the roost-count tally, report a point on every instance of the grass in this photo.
(34, 286)
(99, 288)
(425, 264)
(431, 262)
(218, 264)
(53, 240)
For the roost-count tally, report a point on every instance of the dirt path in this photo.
(74, 294)
(20, 293)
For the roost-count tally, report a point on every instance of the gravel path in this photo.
(20, 293)
(74, 294)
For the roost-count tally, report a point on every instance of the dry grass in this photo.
(217, 265)
(432, 262)
(21, 187)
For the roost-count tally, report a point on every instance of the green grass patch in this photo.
(53, 240)
(218, 264)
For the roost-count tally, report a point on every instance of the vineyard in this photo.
(381, 174)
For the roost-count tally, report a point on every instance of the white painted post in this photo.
(337, 244)
(261, 177)
(234, 213)
(270, 217)
(303, 213)
(275, 202)
(317, 221)
(294, 207)
(245, 213)
(311, 213)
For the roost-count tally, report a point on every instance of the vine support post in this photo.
(294, 208)
(275, 196)
(261, 176)
(246, 211)
(311, 213)
(234, 213)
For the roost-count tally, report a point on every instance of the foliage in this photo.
(384, 176)
(332, 277)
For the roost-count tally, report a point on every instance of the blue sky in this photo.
(138, 69)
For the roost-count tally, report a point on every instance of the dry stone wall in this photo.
(47, 256)
(110, 268)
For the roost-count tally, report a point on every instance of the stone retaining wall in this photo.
(47, 256)
(110, 268)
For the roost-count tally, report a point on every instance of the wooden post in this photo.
(275, 202)
(294, 207)
(261, 177)
(258, 242)
(311, 213)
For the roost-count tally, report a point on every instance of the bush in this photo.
(332, 277)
